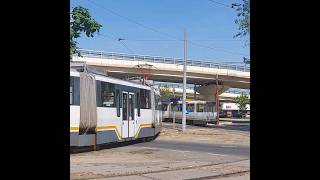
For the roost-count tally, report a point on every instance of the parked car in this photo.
(240, 115)
(222, 115)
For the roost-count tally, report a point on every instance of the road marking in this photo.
(178, 150)
(216, 154)
(228, 146)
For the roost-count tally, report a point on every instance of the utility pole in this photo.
(174, 110)
(194, 93)
(217, 101)
(184, 83)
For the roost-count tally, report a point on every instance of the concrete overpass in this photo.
(167, 69)
(212, 79)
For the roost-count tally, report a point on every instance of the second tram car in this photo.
(198, 112)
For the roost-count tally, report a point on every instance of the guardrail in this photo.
(232, 91)
(237, 92)
(158, 59)
(173, 85)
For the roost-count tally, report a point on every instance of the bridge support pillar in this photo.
(174, 112)
(217, 105)
(209, 91)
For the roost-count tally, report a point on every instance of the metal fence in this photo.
(190, 87)
(158, 59)
(238, 91)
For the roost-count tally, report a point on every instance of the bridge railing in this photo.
(162, 85)
(237, 91)
(232, 90)
(158, 59)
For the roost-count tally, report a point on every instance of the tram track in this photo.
(174, 169)
(222, 175)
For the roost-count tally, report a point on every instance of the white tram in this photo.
(197, 112)
(105, 109)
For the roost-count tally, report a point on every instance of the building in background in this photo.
(232, 110)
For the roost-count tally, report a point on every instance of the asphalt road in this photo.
(222, 149)
(238, 127)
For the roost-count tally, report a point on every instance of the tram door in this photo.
(128, 115)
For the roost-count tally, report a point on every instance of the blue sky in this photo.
(207, 24)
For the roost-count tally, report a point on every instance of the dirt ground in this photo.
(200, 152)
(210, 135)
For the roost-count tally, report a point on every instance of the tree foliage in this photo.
(246, 60)
(243, 22)
(243, 19)
(81, 21)
(165, 93)
(242, 100)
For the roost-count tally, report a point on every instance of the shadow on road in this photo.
(200, 147)
(238, 127)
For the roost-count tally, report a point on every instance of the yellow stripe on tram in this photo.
(101, 128)
(74, 128)
(142, 125)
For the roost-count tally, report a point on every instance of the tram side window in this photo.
(164, 107)
(148, 100)
(105, 94)
(178, 108)
(118, 102)
(157, 102)
(74, 90)
(200, 107)
(210, 107)
(71, 90)
(138, 103)
(190, 107)
(145, 102)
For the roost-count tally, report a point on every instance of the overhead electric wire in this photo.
(160, 32)
(122, 43)
(226, 5)
(229, 6)
(133, 21)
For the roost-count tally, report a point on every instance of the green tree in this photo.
(242, 101)
(165, 93)
(81, 21)
(243, 22)
(243, 19)
(246, 60)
